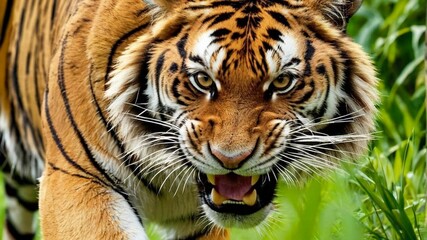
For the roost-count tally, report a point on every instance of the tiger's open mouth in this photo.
(235, 194)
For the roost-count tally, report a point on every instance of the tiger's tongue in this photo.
(232, 186)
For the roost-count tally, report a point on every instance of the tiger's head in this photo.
(244, 92)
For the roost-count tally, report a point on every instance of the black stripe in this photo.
(273, 144)
(237, 35)
(264, 67)
(17, 90)
(280, 18)
(53, 14)
(220, 32)
(181, 46)
(83, 143)
(293, 61)
(322, 109)
(58, 141)
(176, 93)
(104, 121)
(11, 191)
(37, 92)
(116, 45)
(334, 70)
(309, 52)
(27, 65)
(15, 233)
(221, 18)
(274, 34)
(5, 21)
(55, 168)
(273, 129)
(338, 128)
(96, 182)
(308, 94)
(15, 81)
(158, 70)
(173, 68)
(142, 99)
(197, 59)
(159, 65)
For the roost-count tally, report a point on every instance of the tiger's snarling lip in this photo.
(235, 194)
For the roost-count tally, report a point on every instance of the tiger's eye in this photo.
(204, 81)
(281, 83)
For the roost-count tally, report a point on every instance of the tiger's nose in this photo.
(231, 160)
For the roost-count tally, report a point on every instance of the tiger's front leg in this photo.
(74, 206)
(78, 207)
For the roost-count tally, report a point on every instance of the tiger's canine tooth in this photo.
(217, 198)
(254, 179)
(250, 199)
(211, 179)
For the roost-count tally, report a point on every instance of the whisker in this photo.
(149, 110)
(152, 121)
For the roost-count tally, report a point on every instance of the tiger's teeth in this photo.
(217, 198)
(211, 179)
(250, 199)
(254, 179)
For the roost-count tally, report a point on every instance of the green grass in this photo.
(384, 195)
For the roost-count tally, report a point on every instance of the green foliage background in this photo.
(384, 195)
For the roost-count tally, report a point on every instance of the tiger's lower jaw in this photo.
(237, 201)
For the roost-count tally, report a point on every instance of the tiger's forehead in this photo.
(224, 57)
(254, 42)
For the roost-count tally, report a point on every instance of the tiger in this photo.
(186, 114)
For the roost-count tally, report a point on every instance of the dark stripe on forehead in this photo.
(264, 67)
(225, 63)
(221, 32)
(293, 61)
(221, 18)
(236, 5)
(279, 18)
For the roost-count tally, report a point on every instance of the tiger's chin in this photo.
(232, 200)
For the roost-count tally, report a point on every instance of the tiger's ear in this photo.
(338, 12)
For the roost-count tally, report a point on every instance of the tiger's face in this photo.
(245, 93)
